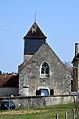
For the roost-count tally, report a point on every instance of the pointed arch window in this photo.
(45, 70)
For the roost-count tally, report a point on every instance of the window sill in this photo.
(44, 76)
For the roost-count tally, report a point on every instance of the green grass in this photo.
(48, 112)
(60, 106)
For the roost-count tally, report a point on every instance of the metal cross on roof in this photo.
(35, 17)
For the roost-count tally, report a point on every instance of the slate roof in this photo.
(9, 80)
(34, 33)
(76, 58)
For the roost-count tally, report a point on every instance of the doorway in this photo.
(42, 92)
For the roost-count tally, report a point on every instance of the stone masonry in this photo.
(59, 80)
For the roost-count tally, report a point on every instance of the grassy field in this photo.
(48, 112)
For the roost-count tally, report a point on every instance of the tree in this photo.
(69, 67)
(0, 72)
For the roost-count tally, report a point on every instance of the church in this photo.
(42, 73)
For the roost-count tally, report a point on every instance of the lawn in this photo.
(48, 112)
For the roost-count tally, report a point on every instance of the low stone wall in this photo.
(39, 101)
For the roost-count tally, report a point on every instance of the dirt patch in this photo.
(21, 111)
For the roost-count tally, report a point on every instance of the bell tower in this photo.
(32, 41)
(76, 69)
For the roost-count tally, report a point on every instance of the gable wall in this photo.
(59, 79)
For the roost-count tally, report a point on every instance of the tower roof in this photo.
(34, 33)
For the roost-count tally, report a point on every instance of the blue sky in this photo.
(58, 19)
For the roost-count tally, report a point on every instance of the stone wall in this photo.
(39, 101)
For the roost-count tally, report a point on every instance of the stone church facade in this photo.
(42, 72)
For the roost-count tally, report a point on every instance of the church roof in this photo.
(35, 33)
(76, 58)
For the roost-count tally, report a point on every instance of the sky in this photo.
(58, 19)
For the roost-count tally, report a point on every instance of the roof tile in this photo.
(9, 80)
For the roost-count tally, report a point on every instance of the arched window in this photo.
(45, 70)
